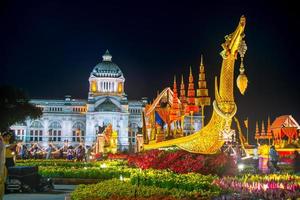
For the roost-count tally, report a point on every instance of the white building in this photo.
(76, 120)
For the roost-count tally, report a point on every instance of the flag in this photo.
(246, 123)
(158, 119)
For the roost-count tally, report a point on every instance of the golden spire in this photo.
(191, 107)
(174, 83)
(202, 92)
(263, 128)
(182, 90)
(191, 90)
(257, 135)
(182, 94)
(256, 130)
(174, 114)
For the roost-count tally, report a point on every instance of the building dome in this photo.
(107, 68)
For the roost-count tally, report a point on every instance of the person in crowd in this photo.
(79, 153)
(25, 152)
(70, 153)
(238, 154)
(19, 150)
(35, 152)
(88, 154)
(255, 158)
(9, 152)
(49, 152)
(2, 167)
(296, 163)
(61, 153)
(274, 157)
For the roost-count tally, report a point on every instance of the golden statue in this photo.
(208, 140)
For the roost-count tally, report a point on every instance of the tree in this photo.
(15, 107)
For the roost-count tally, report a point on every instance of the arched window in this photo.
(36, 131)
(55, 132)
(78, 132)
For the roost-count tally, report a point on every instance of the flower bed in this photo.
(89, 173)
(184, 162)
(116, 189)
(67, 163)
(169, 180)
(117, 156)
(272, 186)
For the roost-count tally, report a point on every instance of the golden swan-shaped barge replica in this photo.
(209, 139)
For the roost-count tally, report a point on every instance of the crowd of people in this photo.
(21, 151)
(273, 159)
(80, 153)
(264, 163)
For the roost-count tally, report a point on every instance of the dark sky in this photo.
(49, 48)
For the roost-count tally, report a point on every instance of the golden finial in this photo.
(182, 79)
(201, 64)
(263, 128)
(257, 130)
(190, 70)
(242, 80)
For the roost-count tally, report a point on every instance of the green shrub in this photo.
(125, 190)
(89, 173)
(67, 163)
(169, 180)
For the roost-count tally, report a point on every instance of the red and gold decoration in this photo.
(207, 139)
(202, 92)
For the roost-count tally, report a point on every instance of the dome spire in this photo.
(107, 56)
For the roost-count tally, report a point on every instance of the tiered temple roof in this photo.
(202, 92)
(191, 106)
(175, 111)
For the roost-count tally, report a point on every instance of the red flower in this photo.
(184, 162)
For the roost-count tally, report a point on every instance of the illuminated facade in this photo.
(75, 120)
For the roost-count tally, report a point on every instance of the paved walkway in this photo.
(59, 193)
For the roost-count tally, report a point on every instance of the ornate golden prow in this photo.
(210, 138)
(232, 41)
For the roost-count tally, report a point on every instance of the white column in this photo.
(45, 133)
(90, 132)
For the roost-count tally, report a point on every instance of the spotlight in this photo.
(103, 165)
(241, 166)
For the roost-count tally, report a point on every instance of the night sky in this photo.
(49, 48)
